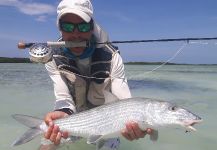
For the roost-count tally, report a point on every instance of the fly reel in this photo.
(40, 53)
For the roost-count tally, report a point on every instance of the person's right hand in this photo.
(53, 133)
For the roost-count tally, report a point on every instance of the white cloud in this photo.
(8, 2)
(30, 8)
(36, 9)
(41, 18)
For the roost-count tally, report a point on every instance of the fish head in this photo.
(168, 114)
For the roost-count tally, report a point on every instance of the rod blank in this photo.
(22, 45)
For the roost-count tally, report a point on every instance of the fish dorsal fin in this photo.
(109, 97)
(93, 139)
(154, 135)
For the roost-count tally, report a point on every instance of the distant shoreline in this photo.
(27, 60)
(14, 60)
(159, 63)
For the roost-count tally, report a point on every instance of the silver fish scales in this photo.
(107, 121)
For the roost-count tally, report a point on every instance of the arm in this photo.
(120, 88)
(64, 104)
(64, 100)
(119, 85)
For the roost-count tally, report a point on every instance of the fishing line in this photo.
(170, 59)
(178, 51)
(201, 43)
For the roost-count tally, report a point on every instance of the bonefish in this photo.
(107, 121)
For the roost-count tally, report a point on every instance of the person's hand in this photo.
(133, 132)
(53, 133)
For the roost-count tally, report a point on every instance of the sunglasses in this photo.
(81, 27)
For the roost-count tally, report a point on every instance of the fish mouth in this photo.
(189, 125)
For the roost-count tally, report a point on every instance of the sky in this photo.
(35, 21)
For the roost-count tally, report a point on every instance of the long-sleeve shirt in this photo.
(117, 84)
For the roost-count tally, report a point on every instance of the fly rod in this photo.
(22, 45)
(42, 52)
(163, 40)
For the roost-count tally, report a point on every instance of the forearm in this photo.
(119, 85)
(64, 101)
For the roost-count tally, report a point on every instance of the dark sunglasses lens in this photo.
(84, 27)
(67, 27)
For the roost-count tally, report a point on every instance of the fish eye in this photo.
(173, 108)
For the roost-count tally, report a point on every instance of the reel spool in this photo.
(40, 53)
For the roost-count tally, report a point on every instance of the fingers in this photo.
(53, 133)
(137, 131)
(48, 118)
(53, 136)
(53, 116)
(58, 138)
(133, 132)
(149, 131)
(126, 135)
(65, 135)
(49, 131)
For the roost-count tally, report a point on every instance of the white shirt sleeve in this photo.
(61, 91)
(119, 85)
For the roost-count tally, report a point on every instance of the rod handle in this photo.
(22, 45)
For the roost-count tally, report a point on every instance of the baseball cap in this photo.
(82, 8)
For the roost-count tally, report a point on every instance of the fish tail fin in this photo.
(31, 122)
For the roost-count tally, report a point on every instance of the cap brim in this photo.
(80, 13)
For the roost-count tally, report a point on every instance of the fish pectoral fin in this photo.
(93, 139)
(99, 144)
(73, 138)
(154, 135)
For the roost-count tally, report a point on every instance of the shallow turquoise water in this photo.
(27, 89)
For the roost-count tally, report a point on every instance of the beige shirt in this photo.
(117, 84)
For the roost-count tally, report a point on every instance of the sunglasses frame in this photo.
(76, 25)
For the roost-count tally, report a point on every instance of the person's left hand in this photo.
(133, 132)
